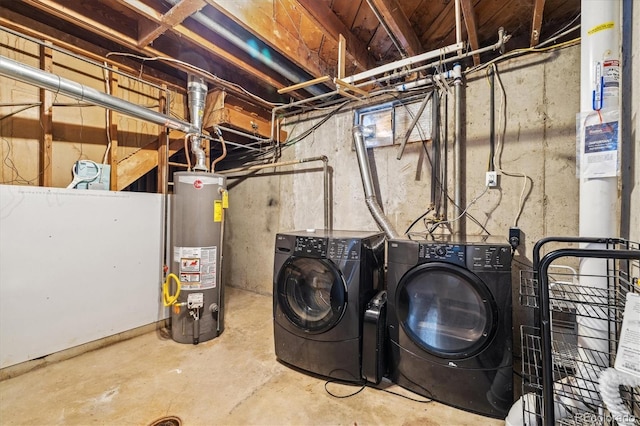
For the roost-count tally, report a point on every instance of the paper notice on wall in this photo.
(599, 149)
(628, 354)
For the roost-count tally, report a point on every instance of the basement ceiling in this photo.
(263, 46)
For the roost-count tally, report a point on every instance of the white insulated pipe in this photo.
(600, 36)
(600, 42)
(458, 24)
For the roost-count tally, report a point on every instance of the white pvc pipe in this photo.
(600, 36)
(458, 24)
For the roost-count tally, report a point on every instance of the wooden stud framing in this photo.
(163, 169)
(304, 84)
(46, 121)
(342, 49)
(113, 133)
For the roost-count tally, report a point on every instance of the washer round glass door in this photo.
(312, 293)
(446, 310)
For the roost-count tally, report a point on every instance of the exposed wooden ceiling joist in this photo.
(536, 26)
(37, 30)
(262, 46)
(61, 11)
(469, 14)
(258, 22)
(148, 32)
(333, 27)
(399, 25)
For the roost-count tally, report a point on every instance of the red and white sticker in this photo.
(197, 184)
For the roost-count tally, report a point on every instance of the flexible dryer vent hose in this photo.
(610, 382)
(367, 182)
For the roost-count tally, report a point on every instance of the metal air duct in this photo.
(367, 182)
(197, 94)
(45, 80)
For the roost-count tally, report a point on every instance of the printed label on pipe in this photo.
(600, 150)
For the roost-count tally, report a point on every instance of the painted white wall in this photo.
(75, 266)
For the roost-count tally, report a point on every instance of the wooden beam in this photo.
(163, 145)
(59, 10)
(46, 121)
(35, 29)
(470, 22)
(399, 25)
(536, 25)
(257, 17)
(342, 50)
(148, 32)
(332, 26)
(143, 161)
(343, 86)
(238, 119)
(304, 84)
(113, 132)
(227, 111)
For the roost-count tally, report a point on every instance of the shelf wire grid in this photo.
(585, 323)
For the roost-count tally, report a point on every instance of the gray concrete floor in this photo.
(234, 379)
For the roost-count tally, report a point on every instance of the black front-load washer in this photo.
(449, 322)
(322, 283)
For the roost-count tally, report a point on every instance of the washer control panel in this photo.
(344, 249)
(490, 257)
(311, 246)
(450, 253)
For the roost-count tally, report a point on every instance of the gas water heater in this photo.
(197, 223)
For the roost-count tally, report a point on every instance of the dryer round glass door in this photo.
(312, 293)
(446, 310)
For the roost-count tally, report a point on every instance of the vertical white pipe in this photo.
(600, 35)
(458, 24)
(600, 39)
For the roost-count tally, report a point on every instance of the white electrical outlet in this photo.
(491, 179)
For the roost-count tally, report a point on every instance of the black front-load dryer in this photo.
(321, 285)
(449, 322)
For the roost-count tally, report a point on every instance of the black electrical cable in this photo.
(417, 220)
(363, 385)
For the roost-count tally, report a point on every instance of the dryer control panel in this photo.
(451, 253)
(490, 257)
(344, 249)
(311, 247)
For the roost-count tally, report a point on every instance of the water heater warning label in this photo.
(197, 266)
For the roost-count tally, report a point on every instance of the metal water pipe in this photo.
(458, 225)
(328, 214)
